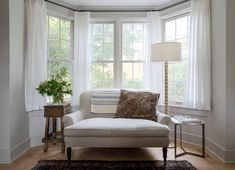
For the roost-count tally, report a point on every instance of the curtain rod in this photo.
(115, 10)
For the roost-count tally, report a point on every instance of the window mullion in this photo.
(118, 54)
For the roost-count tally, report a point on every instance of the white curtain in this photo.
(81, 67)
(199, 67)
(153, 71)
(36, 53)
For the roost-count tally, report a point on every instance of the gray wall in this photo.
(216, 119)
(14, 123)
(4, 81)
(220, 122)
(230, 80)
(19, 129)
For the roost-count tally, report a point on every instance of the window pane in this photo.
(171, 90)
(133, 41)
(54, 27)
(180, 72)
(97, 48)
(177, 30)
(65, 30)
(59, 39)
(181, 27)
(102, 42)
(132, 75)
(108, 33)
(138, 32)
(97, 30)
(138, 51)
(127, 71)
(102, 75)
(54, 48)
(133, 35)
(108, 51)
(183, 42)
(65, 49)
(126, 51)
(55, 66)
(138, 72)
(170, 31)
(170, 72)
(127, 33)
(179, 88)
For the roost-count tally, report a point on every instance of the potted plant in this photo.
(56, 87)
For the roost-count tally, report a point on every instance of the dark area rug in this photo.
(112, 165)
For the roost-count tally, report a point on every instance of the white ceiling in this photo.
(120, 3)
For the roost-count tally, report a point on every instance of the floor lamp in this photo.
(165, 52)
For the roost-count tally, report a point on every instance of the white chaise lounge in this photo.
(86, 129)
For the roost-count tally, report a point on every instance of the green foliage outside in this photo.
(102, 75)
(57, 86)
(102, 68)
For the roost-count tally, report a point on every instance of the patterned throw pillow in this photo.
(137, 104)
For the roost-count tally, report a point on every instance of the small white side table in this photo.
(180, 123)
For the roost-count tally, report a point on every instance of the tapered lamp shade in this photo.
(166, 51)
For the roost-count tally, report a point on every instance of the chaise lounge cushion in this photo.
(137, 104)
(117, 127)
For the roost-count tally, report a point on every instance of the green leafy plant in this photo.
(57, 86)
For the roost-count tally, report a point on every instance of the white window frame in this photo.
(177, 15)
(117, 67)
(128, 61)
(108, 61)
(71, 54)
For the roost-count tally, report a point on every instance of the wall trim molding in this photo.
(7, 156)
(20, 148)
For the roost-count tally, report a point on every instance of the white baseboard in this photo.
(19, 149)
(5, 156)
(215, 149)
(9, 155)
(230, 156)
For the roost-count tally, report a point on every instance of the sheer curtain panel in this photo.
(153, 71)
(36, 53)
(81, 67)
(199, 67)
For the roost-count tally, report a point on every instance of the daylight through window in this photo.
(176, 29)
(59, 45)
(117, 54)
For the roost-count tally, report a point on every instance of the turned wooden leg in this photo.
(46, 134)
(69, 151)
(164, 151)
(54, 129)
(62, 135)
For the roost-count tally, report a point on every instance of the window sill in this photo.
(182, 110)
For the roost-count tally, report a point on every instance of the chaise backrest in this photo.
(85, 105)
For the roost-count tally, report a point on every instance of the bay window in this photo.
(176, 29)
(102, 47)
(117, 54)
(59, 45)
(133, 39)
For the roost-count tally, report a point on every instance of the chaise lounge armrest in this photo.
(163, 118)
(72, 118)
